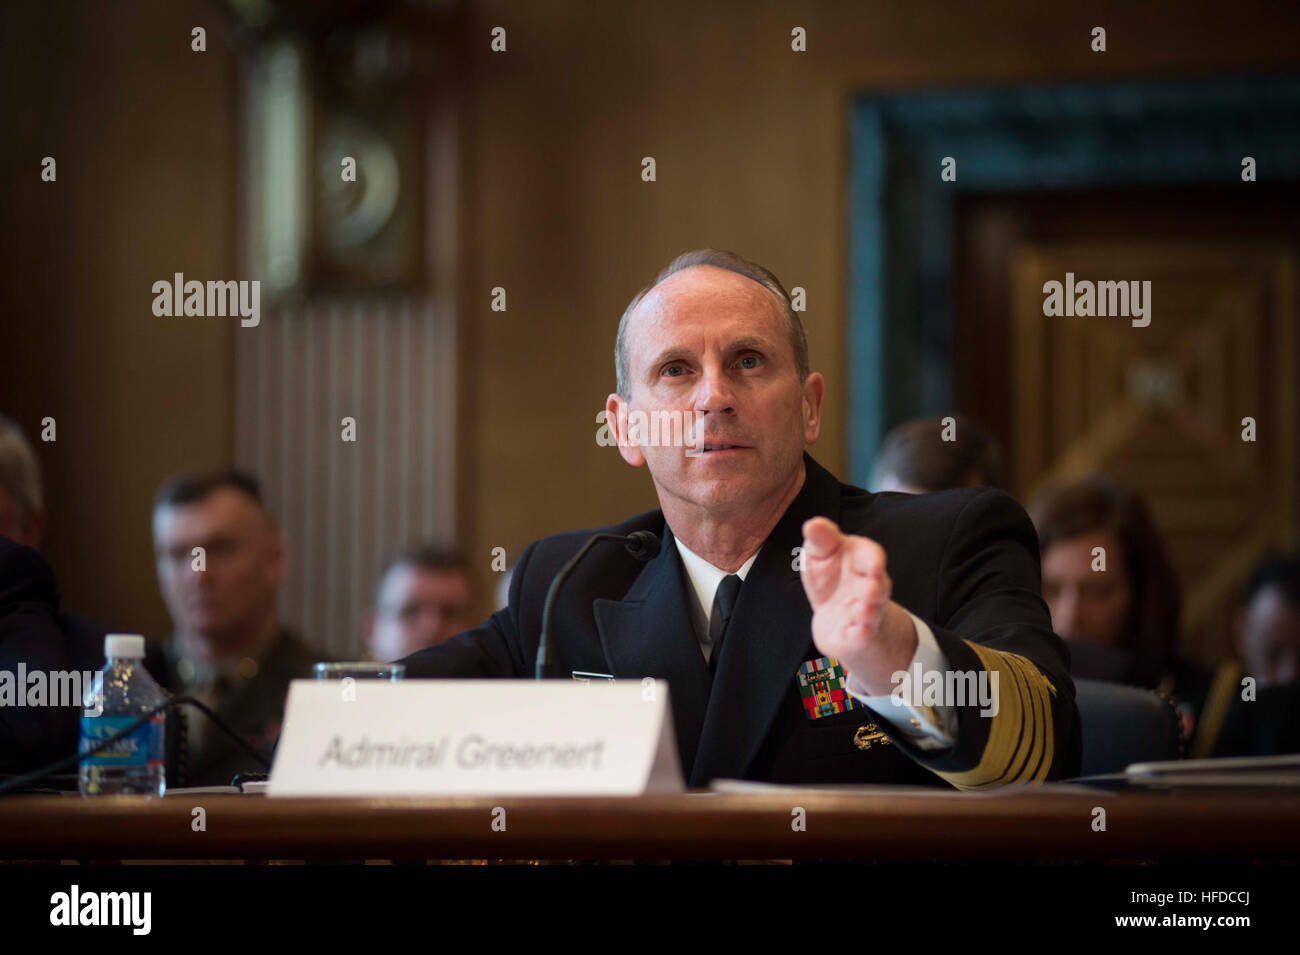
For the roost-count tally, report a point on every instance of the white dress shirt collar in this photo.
(705, 578)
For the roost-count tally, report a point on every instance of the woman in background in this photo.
(1118, 607)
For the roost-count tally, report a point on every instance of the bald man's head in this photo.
(716, 348)
(730, 262)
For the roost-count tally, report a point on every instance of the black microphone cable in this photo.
(643, 545)
(67, 762)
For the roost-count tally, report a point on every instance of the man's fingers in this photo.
(821, 564)
(843, 568)
(863, 557)
(821, 538)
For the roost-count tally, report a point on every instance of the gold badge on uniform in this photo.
(868, 734)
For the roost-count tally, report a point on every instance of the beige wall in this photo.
(141, 129)
(751, 145)
(751, 142)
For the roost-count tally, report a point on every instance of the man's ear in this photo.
(814, 390)
(616, 419)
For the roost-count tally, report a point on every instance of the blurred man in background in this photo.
(424, 597)
(22, 520)
(31, 631)
(22, 504)
(220, 563)
(31, 637)
(1266, 630)
(36, 630)
(932, 454)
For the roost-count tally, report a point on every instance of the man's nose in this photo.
(715, 392)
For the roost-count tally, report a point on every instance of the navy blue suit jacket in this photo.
(965, 561)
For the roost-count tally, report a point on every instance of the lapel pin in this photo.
(868, 734)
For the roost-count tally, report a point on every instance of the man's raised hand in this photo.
(854, 619)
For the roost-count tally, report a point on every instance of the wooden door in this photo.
(1162, 407)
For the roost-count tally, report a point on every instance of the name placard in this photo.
(476, 737)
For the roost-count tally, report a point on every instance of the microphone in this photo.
(643, 545)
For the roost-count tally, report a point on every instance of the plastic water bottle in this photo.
(121, 693)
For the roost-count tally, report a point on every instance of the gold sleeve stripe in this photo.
(1035, 713)
(1015, 768)
(1040, 762)
(1021, 742)
(1037, 736)
(1005, 733)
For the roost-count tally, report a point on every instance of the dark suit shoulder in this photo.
(918, 531)
(859, 505)
(86, 642)
(25, 576)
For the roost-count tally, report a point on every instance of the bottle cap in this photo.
(128, 645)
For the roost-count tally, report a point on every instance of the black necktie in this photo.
(724, 602)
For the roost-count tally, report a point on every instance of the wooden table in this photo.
(900, 824)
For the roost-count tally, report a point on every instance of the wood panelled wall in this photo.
(750, 141)
(346, 412)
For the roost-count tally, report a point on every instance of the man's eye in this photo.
(749, 361)
(671, 369)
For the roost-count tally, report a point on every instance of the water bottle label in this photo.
(143, 747)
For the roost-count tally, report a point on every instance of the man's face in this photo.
(1269, 638)
(419, 607)
(244, 564)
(712, 345)
(1088, 605)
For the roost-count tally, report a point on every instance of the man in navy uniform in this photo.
(784, 607)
